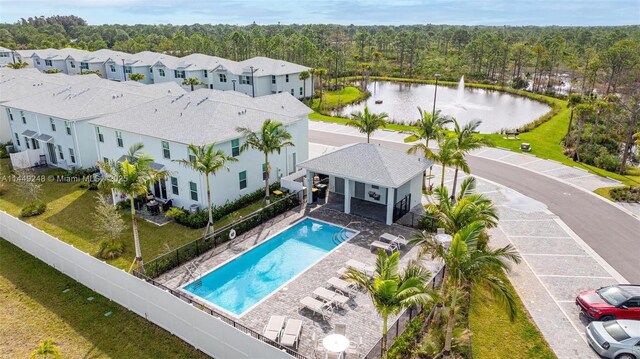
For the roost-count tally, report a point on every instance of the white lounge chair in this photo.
(391, 238)
(273, 329)
(343, 286)
(291, 333)
(333, 298)
(316, 306)
(388, 247)
(359, 266)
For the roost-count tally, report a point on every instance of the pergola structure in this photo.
(370, 178)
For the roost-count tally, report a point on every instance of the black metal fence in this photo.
(222, 317)
(398, 327)
(201, 245)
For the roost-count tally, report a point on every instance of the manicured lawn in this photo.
(35, 308)
(324, 118)
(495, 336)
(335, 99)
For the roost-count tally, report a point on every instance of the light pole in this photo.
(435, 94)
(234, 84)
(253, 89)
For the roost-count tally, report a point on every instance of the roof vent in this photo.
(113, 96)
(155, 110)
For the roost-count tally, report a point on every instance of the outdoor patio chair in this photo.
(342, 286)
(291, 333)
(316, 306)
(359, 266)
(355, 348)
(330, 297)
(388, 247)
(332, 355)
(341, 329)
(273, 329)
(391, 238)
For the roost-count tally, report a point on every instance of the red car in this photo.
(620, 301)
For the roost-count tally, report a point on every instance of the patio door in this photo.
(52, 153)
(160, 189)
(359, 192)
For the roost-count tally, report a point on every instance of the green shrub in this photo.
(405, 343)
(607, 161)
(625, 194)
(428, 221)
(110, 249)
(33, 209)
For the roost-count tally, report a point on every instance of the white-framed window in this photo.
(24, 119)
(192, 158)
(223, 77)
(48, 63)
(128, 70)
(300, 90)
(179, 74)
(206, 73)
(26, 142)
(72, 156)
(52, 122)
(105, 160)
(242, 179)
(235, 147)
(161, 72)
(166, 152)
(35, 144)
(112, 68)
(273, 79)
(286, 78)
(245, 80)
(67, 125)
(292, 92)
(10, 114)
(60, 152)
(4, 54)
(84, 65)
(73, 65)
(174, 186)
(193, 189)
(119, 139)
(100, 134)
(17, 139)
(38, 61)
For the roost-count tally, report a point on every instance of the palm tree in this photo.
(139, 77)
(321, 72)
(17, 65)
(391, 291)
(132, 177)
(573, 101)
(368, 122)
(584, 111)
(192, 81)
(47, 349)
(207, 161)
(272, 137)
(448, 156)
(304, 75)
(428, 127)
(465, 141)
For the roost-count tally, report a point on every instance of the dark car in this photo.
(620, 301)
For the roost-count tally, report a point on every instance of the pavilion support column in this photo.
(390, 203)
(309, 187)
(347, 196)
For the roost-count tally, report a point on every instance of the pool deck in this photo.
(359, 315)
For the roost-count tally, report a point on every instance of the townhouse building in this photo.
(6, 56)
(63, 60)
(118, 69)
(51, 127)
(166, 127)
(93, 61)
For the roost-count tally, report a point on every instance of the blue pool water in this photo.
(241, 283)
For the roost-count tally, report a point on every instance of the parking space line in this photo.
(573, 276)
(555, 255)
(549, 237)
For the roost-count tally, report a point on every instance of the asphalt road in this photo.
(609, 231)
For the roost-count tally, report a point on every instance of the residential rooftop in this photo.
(25, 82)
(204, 116)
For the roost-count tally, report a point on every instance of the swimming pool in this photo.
(244, 281)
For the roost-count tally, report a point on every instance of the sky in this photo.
(357, 12)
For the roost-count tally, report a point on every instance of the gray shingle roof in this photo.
(92, 98)
(369, 163)
(204, 116)
(15, 84)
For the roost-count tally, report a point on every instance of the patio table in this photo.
(335, 343)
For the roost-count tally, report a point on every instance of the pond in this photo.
(497, 110)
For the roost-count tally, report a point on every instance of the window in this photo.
(52, 122)
(174, 186)
(10, 114)
(35, 144)
(17, 139)
(73, 66)
(67, 125)
(193, 188)
(60, 152)
(192, 158)
(179, 74)
(235, 147)
(291, 92)
(161, 72)
(300, 90)
(633, 303)
(84, 65)
(242, 176)
(24, 119)
(47, 63)
(4, 54)
(119, 139)
(273, 79)
(38, 61)
(223, 77)
(112, 68)
(100, 134)
(264, 171)
(72, 156)
(206, 73)
(26, 142)
(245, 80)
(286, 78)
(127, 70)
(166, 153)
(105, 160)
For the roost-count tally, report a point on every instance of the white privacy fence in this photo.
(204, 331)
